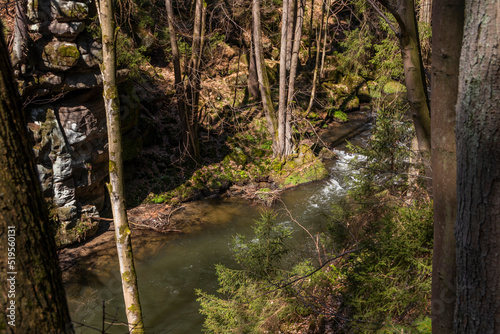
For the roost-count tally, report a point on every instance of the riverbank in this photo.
(154, 220)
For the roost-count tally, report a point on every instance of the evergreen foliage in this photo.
(248, 302)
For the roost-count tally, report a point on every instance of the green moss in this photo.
(112, 166)
(340, 116)
(394, 87)
(126, 276)
(111, 93)
(352, 82)
(133, 308)
(69, 50)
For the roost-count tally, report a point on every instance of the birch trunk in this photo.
(115, 185)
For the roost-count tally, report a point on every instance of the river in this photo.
(171, 267)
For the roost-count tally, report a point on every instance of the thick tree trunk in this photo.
(447, 43)
(32, 293)
(115, 185)
(264, 86)
(478, 172)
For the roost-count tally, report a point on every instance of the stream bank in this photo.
(171, 266)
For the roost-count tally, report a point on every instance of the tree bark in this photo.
(404, 13)
(325, 30)
(447, 43)
(20, 44)
(115, 185)
(253, 80)
(284, 147)
(426, 9)
(264, 86)
(180, 92)
(478, 174)
(32, 293)
(316, 62)
(193, 93)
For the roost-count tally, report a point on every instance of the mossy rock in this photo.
(302, 168)
(326, 154)
(363, 93)
(70, 233)
(313, 172)
(352, 82)
(394, 87)
(336, 89)
(332, 75)
(60, 55)
(351, 103)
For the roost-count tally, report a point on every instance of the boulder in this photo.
(66, 30)
(66, 10)
(60, 55)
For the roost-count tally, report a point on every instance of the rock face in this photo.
(66, 116)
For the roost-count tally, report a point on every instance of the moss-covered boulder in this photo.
(350, 103)
(363, 93)
(394, 87)
(70, 11)
(59, 55)
(352, 82)
(301, 167)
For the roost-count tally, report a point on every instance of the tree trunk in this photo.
(180, 92)
(325, 30)
(404, 12)
(284, 147)
(447, 42)
(32, 293)
(478, 173)
(311, 34)
(20, 44)
(253, 80)
(425, 13)
(299, 7)
(260, 64)
(115, 185)
(316, 63)
(193, 93)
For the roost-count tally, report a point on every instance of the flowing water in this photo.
(169, 269)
